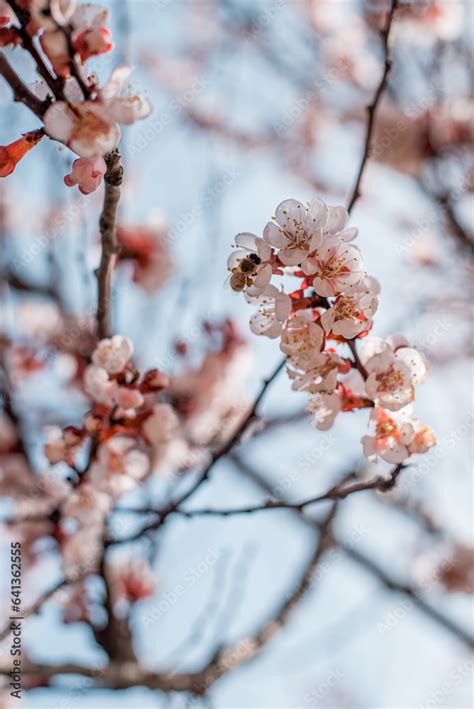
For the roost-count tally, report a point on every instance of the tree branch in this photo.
(108, 227)
(115, 637)
(121, 675)
(337, 492)
(372, 107)
(55, 84)
(21, 92)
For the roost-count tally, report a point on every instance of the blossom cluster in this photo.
(140, 428)
(78, 112)
(128, 429)
(334, 304)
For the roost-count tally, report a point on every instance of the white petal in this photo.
(395, 453)
(369, 448)
(246, 240)
(282, 307)
(274, 235)
(292, 257)
(263, 249)
(59, 121)
(317, 215)
(396, 341)
(95, 146)
(117, 82)
(348, 234)
(127, 110)
(291, 215)
(414, 361)
(336, 219)
(262, 279)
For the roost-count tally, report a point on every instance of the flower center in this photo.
(90, 126)
(391, 380)
(386, 428)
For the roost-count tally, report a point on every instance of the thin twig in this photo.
(372, 107)
(75, 68)
(21, 92)
(55, 84)
(358, 364)
(337, 492)
(108, 228)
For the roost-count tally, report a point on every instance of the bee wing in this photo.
(227, 285)
(235, 257)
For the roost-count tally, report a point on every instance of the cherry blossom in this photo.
(15, 475)
(54, 44)
(397, 436)
(302, 339)
(115, 106)
(55, 448)
(162, 425)
(89, 16)
(340, 305)
(63, 10)
(91, 37)
(81, 129)
(336, 266)
(112, 354)
(324, 407)
(99, 386)
(393, 370)
(129, 398)
(297, 230)
(350, 314)
(118, 467)
(61, 445)
(320, 376)
(47, 14)
(274, 306)
(86, 174)
(90, 128)
(87, 505)
(42, 492)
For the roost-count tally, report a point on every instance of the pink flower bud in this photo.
(87, 174)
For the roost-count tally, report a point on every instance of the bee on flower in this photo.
(336, 300)
(250, 265)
